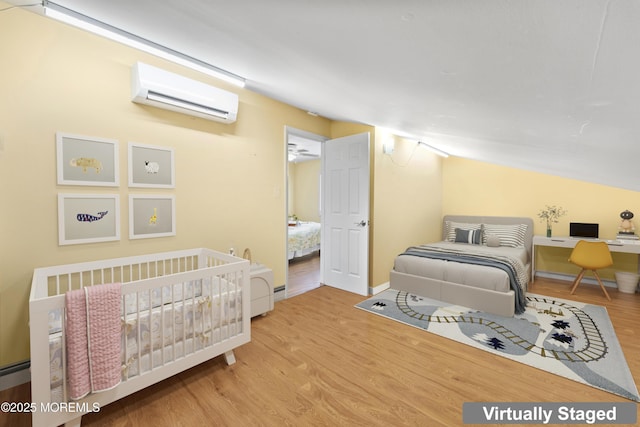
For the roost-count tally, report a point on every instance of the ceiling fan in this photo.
(296, 153)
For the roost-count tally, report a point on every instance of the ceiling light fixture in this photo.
(433, 149)
(84, 22)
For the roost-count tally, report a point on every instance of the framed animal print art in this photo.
(151, 166)
(86, 160)
(88, 218)
(151, 216)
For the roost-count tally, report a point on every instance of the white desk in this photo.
(626, 246)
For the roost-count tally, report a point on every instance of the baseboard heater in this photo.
(279, 293)
(14, 375)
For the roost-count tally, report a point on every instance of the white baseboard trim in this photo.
(377, 289)
(14, 375)
(571, 278)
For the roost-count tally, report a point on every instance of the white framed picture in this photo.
(86, 160)
(88, 218)
(151, 216)
(151, 166)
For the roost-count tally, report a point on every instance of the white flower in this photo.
(551, 214)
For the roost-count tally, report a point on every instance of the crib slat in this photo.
(125, 341)
(192, 310)
(162, 325)
(138, 334)
(184, 326)
(152, 364)
(173, 323)
(65, 395)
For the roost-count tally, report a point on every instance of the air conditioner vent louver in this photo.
(162, 89)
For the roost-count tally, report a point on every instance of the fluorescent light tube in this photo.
(434, 150)
(84, 22)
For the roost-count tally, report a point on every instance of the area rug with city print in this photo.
(567, 338)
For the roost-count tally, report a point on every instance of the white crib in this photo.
(179, 309)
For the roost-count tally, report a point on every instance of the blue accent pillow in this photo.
(473, 237)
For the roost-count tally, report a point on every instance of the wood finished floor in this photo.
(304, 274)
(318, 361)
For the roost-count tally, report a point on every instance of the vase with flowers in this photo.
(551, 214)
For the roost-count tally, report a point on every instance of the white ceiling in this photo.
(546, 85)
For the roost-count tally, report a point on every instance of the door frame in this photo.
(289, 131)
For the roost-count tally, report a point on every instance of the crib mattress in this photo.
(169, 331)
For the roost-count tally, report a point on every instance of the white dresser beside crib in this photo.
(261, 289)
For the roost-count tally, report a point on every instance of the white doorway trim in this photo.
(288, 132)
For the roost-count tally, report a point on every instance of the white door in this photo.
(345, 213)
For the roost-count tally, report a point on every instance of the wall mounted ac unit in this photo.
(162, 89)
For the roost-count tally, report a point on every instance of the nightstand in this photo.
(261, 289)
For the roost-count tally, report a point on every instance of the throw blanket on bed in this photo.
(93, 339)
(513, 267)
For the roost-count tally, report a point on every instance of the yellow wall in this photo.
(406, 196)
(230, 179)
(304, 184)
(407, 201)
(478, 188)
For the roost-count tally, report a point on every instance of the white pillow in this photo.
(492, 240)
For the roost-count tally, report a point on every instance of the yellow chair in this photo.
(590, 256)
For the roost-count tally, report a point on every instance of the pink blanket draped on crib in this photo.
(93, 339)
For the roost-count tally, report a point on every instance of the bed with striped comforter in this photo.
(482, 263)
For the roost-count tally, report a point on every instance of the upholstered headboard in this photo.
(500, 220)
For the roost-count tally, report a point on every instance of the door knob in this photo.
(362, 223)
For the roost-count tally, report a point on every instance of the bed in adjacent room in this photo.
(303, 238)
(482, 262)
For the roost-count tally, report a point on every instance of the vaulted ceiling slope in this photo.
(546, 85)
